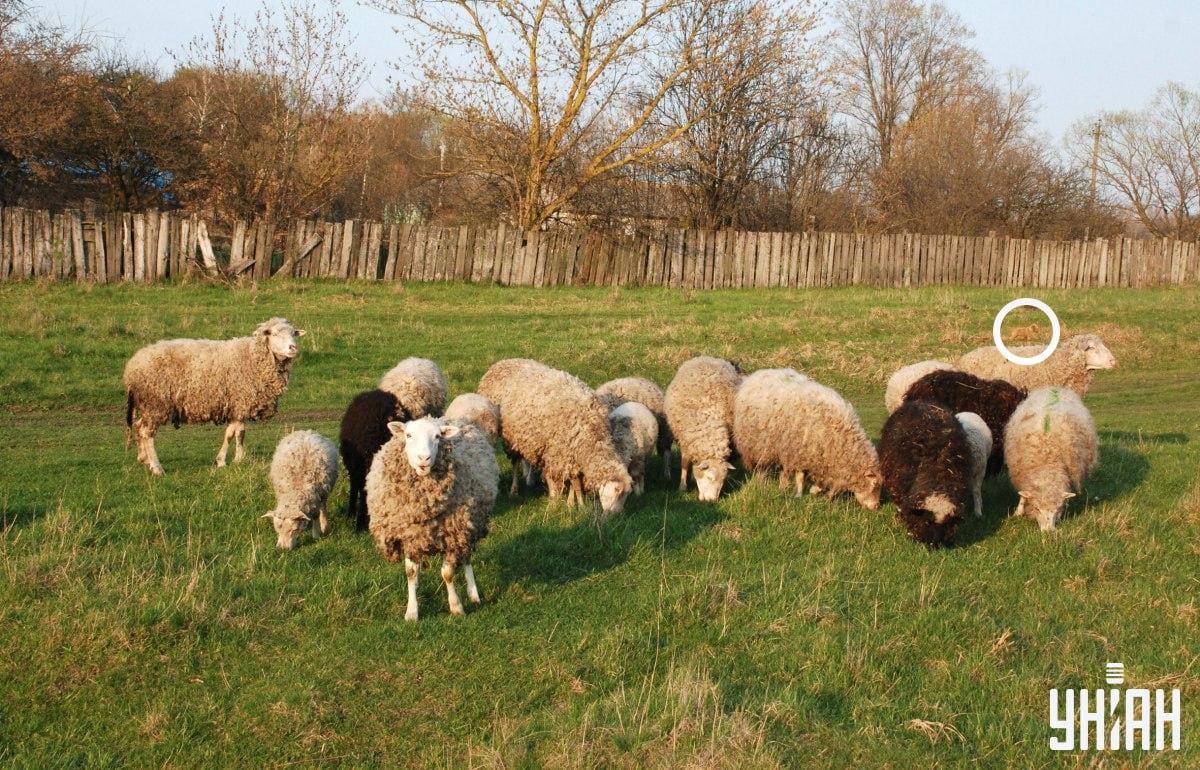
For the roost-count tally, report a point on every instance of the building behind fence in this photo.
(154, 246)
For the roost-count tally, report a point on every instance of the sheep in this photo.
(472, 407)
(979, 438)
(363, 431)
(303, 471)
(419, 385)
(634, 431)
(926, 460)
(431, 490)
(785, 421)
(1050, 446)
(904, 377)
(992, 400)
(227, 382)
(555, 422)
(648, 394)
(1071, 366)
(699, 407)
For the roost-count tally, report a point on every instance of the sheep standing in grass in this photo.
(472, 407)
(363, 431)
(992, 400)
(784, 421)
(643, 391)
(1072, 365)
(699, 407)
(635, 432)
(227, 382)
(555, 422)
(926, 461)
(303, 471)
(904, 377)
(431, 490)
(1050, 446)
(419, 385)
(979, 438)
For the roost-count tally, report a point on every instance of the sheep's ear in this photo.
(1068, 495)
(300, 332)
(1022, 495)
(269, 515)
(729, 466)
(397, 428)
(450, 431)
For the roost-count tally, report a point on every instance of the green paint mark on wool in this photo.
(1052, 401)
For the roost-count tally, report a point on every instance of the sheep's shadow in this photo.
(1143, 438)
(562, 553)
(20, 516)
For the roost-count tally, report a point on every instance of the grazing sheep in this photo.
(1050, 446)
(431, 490)
(227, 382)
(363, 431)
(785, 421)
(926, 461)
(648, 394)
(1071, 366)
(472, 407)
(699, 407)
(635, 432)
(979, 438)
(993, 400)
(420, 386)
(904, 377)
(555, 422)
(303, 471)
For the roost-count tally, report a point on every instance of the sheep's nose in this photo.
(292, 349)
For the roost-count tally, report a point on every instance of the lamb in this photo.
(926, 461)
(472, 407)
(431, 490)
(363, 431)
(227, 382)
(643, 391)
(1071, 366)
(785, 421)
(303, 471)
(419, 385)
(993, 400)
(1050, 446)
(699, 407)
(979, 438)
(554, 421)
(904, 377)
(634, 431)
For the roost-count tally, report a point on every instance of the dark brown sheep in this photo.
(364, 430)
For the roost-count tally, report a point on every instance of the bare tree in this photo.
(546, 97)
(1149, 159)
(270, 101)
(898, 58)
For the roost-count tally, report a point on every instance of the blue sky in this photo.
(1082, 56)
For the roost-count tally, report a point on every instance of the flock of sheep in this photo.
(424, 477)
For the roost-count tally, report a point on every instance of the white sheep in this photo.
(635, 433)
(623, 389)
(472, 407)
(904, 377)
(1050, 446)
(699, 407)
(303, 471)
(419, 385)
(979, 438)
(1072, 365)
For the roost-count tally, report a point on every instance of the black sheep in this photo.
(993, 400)
(926, 465)
(364, 430)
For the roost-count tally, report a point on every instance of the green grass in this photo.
(152, 622)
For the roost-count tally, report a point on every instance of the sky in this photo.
(1083, 56)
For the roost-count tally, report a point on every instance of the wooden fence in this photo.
(153, 246)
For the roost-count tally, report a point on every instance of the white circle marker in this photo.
(1055, 331)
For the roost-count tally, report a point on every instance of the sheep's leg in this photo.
(799, 483)
(323, 521)
(472, 589)
(456, 607)
(146, 451)
(410, 571)
(230, 433)
(240, 437)
(683, 473)
(978, 493)
(666, 458)
(1020, 508)
(784, 480)
(362, 517)
(576, 493)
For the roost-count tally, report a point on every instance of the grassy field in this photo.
(152, 622)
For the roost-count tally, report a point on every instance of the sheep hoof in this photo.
(156, 470)
(220, 463)
(474, 599)
(411, 616)
(457, 611)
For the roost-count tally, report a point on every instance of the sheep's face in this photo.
(1046, 510)
(422, 440)
(612, 495)
(868, 495)
(1097, 354)
(710, 477)
(281, 338)
(288, 527)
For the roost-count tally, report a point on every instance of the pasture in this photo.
(152, 621)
